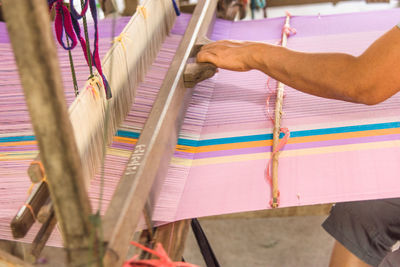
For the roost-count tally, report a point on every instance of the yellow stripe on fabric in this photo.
(119, 152)
(24, 155)
(19, 143)
(126, 140)
(288, 153)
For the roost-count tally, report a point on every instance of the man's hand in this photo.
(231, 55)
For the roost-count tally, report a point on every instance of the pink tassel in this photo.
(163, 261)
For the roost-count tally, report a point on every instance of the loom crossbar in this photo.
(155, 145)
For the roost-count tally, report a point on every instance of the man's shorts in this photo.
(368, 229)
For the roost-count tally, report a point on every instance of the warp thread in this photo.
(163, 261)
(120, 39)
(142, 10)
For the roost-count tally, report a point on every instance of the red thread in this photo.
(163, 261)
(63, 23)
(280, 145)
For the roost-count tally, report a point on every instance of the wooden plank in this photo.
(7, 259)
(26, 216)
(187, 8)
(108, 7)
(274, 3)
(311, 210)
(154, 147)
(32, 40)
(173, 236)
(130, 7)
(41, 238)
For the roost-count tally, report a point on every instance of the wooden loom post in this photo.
(154, 147)
(173, 237)
(277, 127)
(108, 7)
(7, 259)
(130, 7)
(30, 33)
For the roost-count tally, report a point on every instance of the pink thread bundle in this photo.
(163, 261)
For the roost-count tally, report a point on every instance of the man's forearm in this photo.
(326, 75)
(369, 78)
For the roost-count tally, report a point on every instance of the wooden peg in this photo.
(199, 44)
(24, 219)
(197, 72)
(45, 211)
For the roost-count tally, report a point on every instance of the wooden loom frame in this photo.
(30, 33)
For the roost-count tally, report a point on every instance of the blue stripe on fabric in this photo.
(127, 134)
(240, 139)
(17, 138)
(261, 137)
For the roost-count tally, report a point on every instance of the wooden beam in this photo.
(7, 259)
(173, 237)
(26, 216)
(311, 210)
(274, 3)
(108, 7)
(187, 8)
(154, 147)
(41, 238)
(130, 7)
(28, 25)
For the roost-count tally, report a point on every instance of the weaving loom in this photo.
(337, 151)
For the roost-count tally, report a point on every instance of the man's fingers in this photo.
(221, 44)
(206, 56)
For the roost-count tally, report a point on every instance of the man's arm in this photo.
(370, 78)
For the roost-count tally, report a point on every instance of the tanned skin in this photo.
(369, 78)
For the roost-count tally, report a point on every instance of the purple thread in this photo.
(74, 13)
(63, 24)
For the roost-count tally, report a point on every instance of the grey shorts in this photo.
(368, 229)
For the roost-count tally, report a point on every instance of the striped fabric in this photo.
(337, 151)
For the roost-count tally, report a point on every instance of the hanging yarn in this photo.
(142, 10)
(74, 13)
(163, 261)
(67, 21)
(63, 24)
